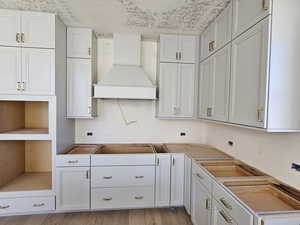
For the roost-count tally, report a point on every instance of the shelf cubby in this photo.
(25, 166)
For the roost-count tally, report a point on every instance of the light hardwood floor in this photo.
(126, 217)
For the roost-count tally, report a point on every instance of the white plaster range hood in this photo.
(126, 79)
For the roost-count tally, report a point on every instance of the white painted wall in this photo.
(271, 153)
(110, 126)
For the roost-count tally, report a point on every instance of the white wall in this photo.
(110, 127)
(271, 153)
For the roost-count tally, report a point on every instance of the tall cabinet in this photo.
(33, 124)
(177, 76)
(82, 73)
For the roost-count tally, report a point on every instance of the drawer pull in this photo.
(107, 199)
(225, 203)
(39, 205)
(199, 175)
(225, 217)
(4, 207)
(207, 204)
(73, 161)
(139, 177)
(107, 178)
(139, 197)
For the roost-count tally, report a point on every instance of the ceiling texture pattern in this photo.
(149, 17)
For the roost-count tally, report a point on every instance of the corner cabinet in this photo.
(82, 74)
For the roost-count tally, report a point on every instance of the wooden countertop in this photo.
(196, 151)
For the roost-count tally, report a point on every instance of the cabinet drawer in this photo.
(122, 176)
(204, 178)
(123, 160)
(232, 206)
(72, 160)
(23, 205)
(118, 198)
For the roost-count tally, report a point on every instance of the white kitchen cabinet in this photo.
(10, 23)
(248, 13)
(217, 34)
(174, 48)
(72, 188)
(214, 86)
(176, 90)
(10, 64)
(163, 179)
(250, 70)
(38, 71)
(177, 180)
(187, 183)
(27, 29)
(38, 30)
(221, 216)
(80, 43)
(201, 203)
(79, 88)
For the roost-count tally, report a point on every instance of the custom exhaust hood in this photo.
(126, 79)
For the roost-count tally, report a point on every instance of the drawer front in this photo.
(204, 178)
(123, 160)
(122, 176)
(23, 205)
(231, 205)
(72, 160)
(118, 198)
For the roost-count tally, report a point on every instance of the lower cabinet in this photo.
(201, 203)
(72, 188)
(187, 183)
(163, 180)
(177, 180)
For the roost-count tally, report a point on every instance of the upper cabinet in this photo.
(81, 73)
(80, 43)
(27, 29)
(175, 48)
(217, 34)
(263, 75)
(247, 13)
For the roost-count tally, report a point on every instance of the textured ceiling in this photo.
(150, 17)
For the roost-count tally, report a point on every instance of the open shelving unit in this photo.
(24, 120)
(25, 166)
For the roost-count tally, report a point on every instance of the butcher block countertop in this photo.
(196, 151)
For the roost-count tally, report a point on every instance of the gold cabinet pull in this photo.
(107, 199)
(38, 205)
(18, 86)
(139, 197)
(225, 203)
(225, 217)
(4, 206)
(211, 46)
(265, 5)
(22, 37)
(18, 37)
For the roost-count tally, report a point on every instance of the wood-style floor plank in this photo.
(121, 217)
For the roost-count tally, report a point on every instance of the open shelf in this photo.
(24, 120)
(25, 166)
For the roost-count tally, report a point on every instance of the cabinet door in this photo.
(250, 55)
(10, 23)
(201, 204)
(38, 71)
(206, 39)
(168, 89)
(73, 188)
(163, 179)
(205, 88)
(10, 64)
(223, 24)
(169, 48)
(220, 84)
(187, 49)
(79, 87)
(187, 183)
(247, 13)
(38, 30)
(177, 179)
(186, 91)
(79, 41)
(221, 217)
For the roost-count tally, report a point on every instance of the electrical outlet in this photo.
(296, 166)
(182, 134)
(89, 134)
(230, 143)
